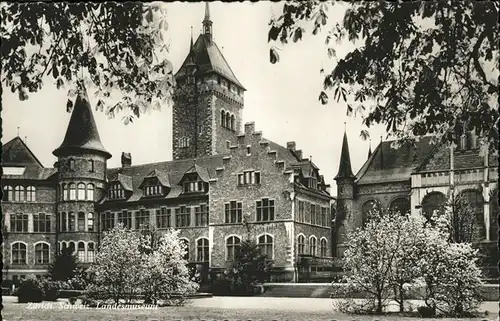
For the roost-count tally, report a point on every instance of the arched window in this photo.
(90, 252)
(19, 194)
(301, 244)
(400, 205)
(232, 122)
(476, 202)
(72, 222)
(72, 191)
(323, 247)
(228, 120)
(71, 247)
(223, 118)
(265, 243)
(72, 164)
(81, 221)
(81, 251)
(341, 234)
(185, 244)
(232, 243)
(90, 192)
(367, 209)
(81, 191)
(202, 250)
(90, 222)
(494, 212)
(64, 245)
(42, 251)
(31, 194)
(8, 193)
(432, 202)
(312, 245)
(64, 192)
(18, 251)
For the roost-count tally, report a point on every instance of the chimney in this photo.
(126, 159)
(291, 146)
(249, 128)
(299, 154)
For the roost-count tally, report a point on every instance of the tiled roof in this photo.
(209, 58)
(387, 164)
(345, 169)
(82, 130)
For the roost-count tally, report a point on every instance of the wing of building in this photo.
(226, 183)
(419, 179)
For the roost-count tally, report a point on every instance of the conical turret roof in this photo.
(82, 131)
(345, 170)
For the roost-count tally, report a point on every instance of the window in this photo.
(141, 219)
(42, 252)
(432, 202)
(200, 130)
(41, 223)
(232, 243)
(233, 212)
(64, 222)
(64, 192)
(322, 247)
(228, 144)
(308, 212)
(153, 190)
(91, 165)
(8, 193)
(324, 216)
(184, 142)
(185, 245)
(201, 215)
(249, 178)
(341, 234)
(125, 218)
(367, 209)
(116, 191)
(81, 251)
(313, 183)
(312, 245)
(72, 222)
(301, 211)
(107, 221)
(301, 244)
(265, 243)
(19, 194)
(163, 217)
(400, 205)
(90, 252)
(19, 222)
(81, 191)
(90, 222)
(265, 210)
(223, 118)
(183, 216)
(71, 164)
(193, 185)
(313, 214)
(31, 194)
(249, 150)
(90, 192)
(81, 221)
(71, 247)
(18, 251)
(228, 120)
(202, 252)
(475, 200)
(72, 191)
(232, 122)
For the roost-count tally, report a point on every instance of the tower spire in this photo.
(191, 44)
(207, 23)
(370, 149)
(345, 170)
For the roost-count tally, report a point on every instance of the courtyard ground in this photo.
(216, 308)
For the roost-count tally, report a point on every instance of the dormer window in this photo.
(313, 183)
(153, 190)
(193, 186)
(116, 191)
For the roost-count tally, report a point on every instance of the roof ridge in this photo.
(26, 146)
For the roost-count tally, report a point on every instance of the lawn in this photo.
(16, 311)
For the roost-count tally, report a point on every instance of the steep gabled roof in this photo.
(161, 176)
(208, 58)
(82, 133)
(201, 171)
(17, 153)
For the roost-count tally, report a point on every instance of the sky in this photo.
(282, 99)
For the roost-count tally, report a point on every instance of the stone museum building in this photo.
(421, 179)
(226, 183)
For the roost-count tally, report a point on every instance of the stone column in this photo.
(486, 210)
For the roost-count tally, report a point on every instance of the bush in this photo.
(30, 290)
(221, 286)
(426, 312)
(72, 300)
(50, 290)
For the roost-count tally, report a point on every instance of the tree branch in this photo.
(475, 58)
(50, 57)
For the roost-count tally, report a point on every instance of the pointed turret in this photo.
(370, 149)
(207, 23)
(345, 170)
(82, 134)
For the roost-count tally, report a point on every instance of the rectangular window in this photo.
(125, 218)
(64, 222)
(116, 191)
(201, 215)
(233, 212)
(183, 216)
(107, 221)
(313, 214)
(324, 216)
(91, 165)
(41, 223)
(265, 210)
(249, 178)
(308, 212)
(81, 221)
(19, 222)
(90, 222)
(301, 211)
(141, 219)
(163, 218)
(72, 222)
(193, 186)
